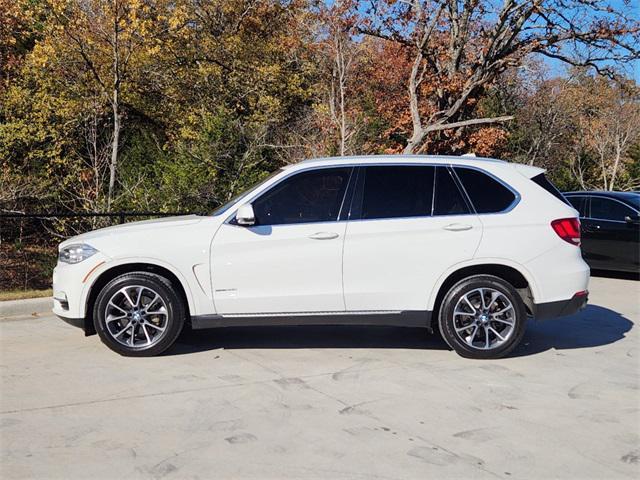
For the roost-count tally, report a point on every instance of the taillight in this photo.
(567, 229)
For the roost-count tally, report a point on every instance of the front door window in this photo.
(308, 197)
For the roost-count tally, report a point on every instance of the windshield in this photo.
(220, 210)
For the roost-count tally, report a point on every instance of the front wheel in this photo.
(482, 317)
(139, 314)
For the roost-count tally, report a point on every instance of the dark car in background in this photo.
(610, 229)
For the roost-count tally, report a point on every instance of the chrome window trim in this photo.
(252, 196)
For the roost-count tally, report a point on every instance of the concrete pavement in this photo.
(30, 306)
(323, 402)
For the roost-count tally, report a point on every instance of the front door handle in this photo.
(458, 227)
(324, 236)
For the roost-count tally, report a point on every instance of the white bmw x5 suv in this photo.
(468, 246)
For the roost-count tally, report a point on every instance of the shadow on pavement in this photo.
(594, 326)
(306, 337)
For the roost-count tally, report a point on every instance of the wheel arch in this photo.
(516, 275)
(113, 271)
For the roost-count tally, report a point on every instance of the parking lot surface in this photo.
(325, 402)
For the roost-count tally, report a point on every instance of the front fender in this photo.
(119, 262)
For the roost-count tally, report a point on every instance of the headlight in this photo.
(76, 253)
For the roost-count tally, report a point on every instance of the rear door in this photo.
(407, 225)
(612, 241)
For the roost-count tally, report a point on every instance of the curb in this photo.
(30, 306)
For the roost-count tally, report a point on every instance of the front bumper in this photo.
(70, 285)
(544, 311)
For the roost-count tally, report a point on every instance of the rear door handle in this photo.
(458, 227)
(324, 236)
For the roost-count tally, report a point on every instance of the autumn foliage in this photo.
(179, 105)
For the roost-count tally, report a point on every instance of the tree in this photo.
(580, 127)
(612, 127)
(239, 77)
(379, 92)
(17, 34)
(107, 38)
(544, 125)
(462, 46)
(341, 53)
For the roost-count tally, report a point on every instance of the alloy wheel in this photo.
(136, 316)
(484, 318)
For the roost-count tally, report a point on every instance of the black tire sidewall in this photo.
(445, 318)
(175, 309)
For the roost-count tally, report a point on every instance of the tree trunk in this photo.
(113, 165)
(115, 104)
(418, 131)
(604, 171)
(616, 163)
(343, 119)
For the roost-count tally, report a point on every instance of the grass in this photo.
(22, 294)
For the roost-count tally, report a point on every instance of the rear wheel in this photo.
(139, 314)
(482, 317)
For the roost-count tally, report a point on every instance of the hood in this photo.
(144, 225)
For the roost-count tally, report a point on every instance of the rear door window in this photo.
(397, 191)
(448, 199)
(486, 193)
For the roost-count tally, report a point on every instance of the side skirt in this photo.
(408, 318)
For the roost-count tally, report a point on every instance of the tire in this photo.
(139, 314)
(482, 330)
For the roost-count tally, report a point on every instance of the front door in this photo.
(290, 261)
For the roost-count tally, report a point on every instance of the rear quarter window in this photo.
(486, 193)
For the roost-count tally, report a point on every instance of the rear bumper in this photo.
(544, 311)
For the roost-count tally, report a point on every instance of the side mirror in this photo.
(632, 219)
(245, 215)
